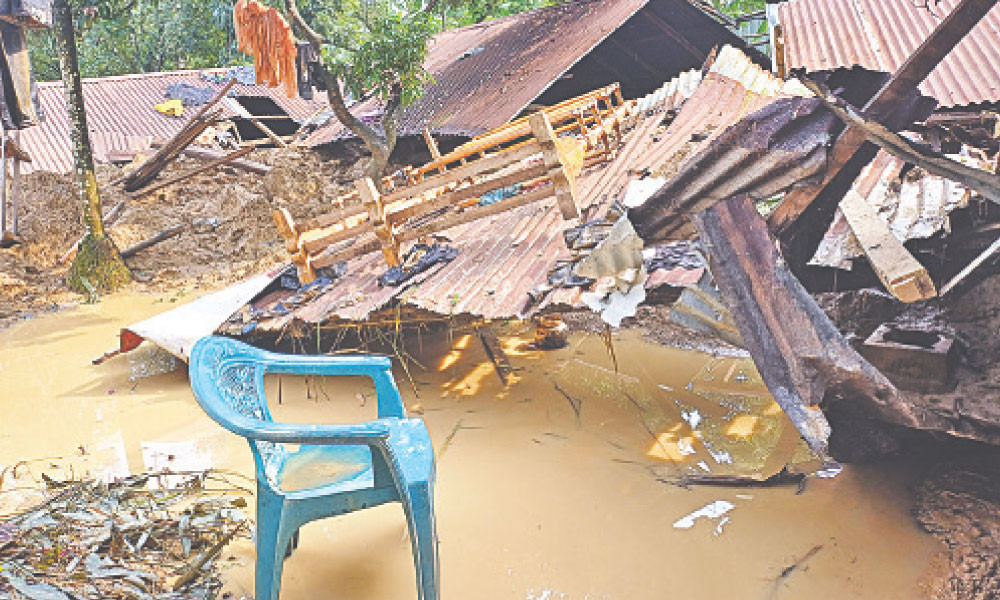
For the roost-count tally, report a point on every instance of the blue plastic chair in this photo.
(386, 460)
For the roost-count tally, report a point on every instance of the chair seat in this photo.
(333, 468)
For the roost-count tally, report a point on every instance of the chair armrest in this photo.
(370, 433)
(325, 365)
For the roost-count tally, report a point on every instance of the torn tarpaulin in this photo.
(189, 95)
(419, 258)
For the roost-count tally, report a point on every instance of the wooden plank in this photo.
(900, 273)
(887, 101)
(799, 353)
(468, 192)
(314, 241)
(490, 163)
(563, 181)
(431, 144)
(474, 214)
(191, 173)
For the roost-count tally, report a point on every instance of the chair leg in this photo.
(423, 536)
(273, 541)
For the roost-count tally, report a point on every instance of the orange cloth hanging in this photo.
(264, 34)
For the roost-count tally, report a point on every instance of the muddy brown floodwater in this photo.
(564, 484)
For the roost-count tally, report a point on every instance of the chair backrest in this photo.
(237, 375)
(227, 376)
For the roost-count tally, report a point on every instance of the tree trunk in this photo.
(98, 265)
(380, 146)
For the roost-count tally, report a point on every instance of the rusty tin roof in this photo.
(485, 74)
(880, 35)
(122, 118)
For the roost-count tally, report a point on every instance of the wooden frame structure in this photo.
(542, 154)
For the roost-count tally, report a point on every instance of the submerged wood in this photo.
(800, 354)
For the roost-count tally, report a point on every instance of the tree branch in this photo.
(311, 34)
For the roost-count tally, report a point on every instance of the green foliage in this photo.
(133, 36)
(735, 8)
(458, 13)
(372, 45)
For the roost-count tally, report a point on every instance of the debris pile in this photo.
(126, 539)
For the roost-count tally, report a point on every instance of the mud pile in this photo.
(226, 212)
(960, 505)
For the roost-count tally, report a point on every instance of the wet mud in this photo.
(573, 481)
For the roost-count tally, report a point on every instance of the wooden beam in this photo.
(892, 95)
(476, 213)
(242, 112)
(799, 353)
(431, 144)
(472, 191)
(192, 172)
(562, 180)
(673, 34)
(490, 163)
(985, 183)
(376, 216)
(900, 273)
(250, 166)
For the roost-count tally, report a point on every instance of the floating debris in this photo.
(710, 511)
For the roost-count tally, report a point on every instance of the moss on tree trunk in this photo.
(98, 266)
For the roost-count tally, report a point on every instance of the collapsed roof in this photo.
(122, 118)
(821, 35)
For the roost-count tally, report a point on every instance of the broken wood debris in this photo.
(216, 162)
(153, 240)
(200, 121)
(125, 539)
(899, 272)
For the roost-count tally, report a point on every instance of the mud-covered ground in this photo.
(229, 234)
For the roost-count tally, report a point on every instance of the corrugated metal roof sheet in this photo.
(121, 117)
(518, 57)
(503, 257)
(880, 35)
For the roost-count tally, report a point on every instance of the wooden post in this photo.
(565, 186)
(15, 184)
(431, 144)
(376, 214)
(779, 52)
(800, 354)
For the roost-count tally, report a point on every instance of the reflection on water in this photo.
(563, 484)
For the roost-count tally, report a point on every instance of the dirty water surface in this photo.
(573, 481)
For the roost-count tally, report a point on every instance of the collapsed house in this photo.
(508, 225)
